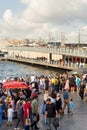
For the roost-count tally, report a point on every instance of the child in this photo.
(10, 115)
(71, 105)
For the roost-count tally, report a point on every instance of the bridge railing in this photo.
(58, 64)
(55, 50)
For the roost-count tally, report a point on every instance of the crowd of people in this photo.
(22, 104)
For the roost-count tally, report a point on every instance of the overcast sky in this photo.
(36, 18)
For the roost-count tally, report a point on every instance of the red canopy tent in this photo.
(15, 85)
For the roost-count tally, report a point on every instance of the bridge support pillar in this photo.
(49, 58)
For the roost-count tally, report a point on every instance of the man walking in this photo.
(34, 106)
(51, 112)
(20, 114)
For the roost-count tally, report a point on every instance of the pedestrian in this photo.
(85, 93)
(27, 109)
(10, 115)
(67, 84)
(78, 82)
(1, 113)
(43, 112)
(46, 84)
(20, 114)
(66, 100)
(59, 104)
(81, 91)
(72, 83)
(51, 113)
(27, 114)
(55, 82)
(34, 106)
(71, 105)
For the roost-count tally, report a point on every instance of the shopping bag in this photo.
(27, 121)
(36, 117)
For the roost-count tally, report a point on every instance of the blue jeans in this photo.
(27, 127)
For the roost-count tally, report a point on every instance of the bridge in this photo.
(57, 57)
(80, 52)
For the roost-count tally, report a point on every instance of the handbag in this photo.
(27, 121)
(36, 117)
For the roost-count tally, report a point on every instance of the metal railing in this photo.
(52, 63)
(80, 52)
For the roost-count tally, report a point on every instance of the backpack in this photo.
(65, 95)
(78, 81)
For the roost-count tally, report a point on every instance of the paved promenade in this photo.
(77, 121)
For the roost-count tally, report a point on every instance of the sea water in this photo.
(12, 69)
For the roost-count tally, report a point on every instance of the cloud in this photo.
(25, 1)
(7, 15)
(43, 16)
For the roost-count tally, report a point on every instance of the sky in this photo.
(39, 18)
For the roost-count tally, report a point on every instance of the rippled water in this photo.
(12, 69)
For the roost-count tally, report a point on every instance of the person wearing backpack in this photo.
(66, 100)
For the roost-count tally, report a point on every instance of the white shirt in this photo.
(32, 78)
(10, 112)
